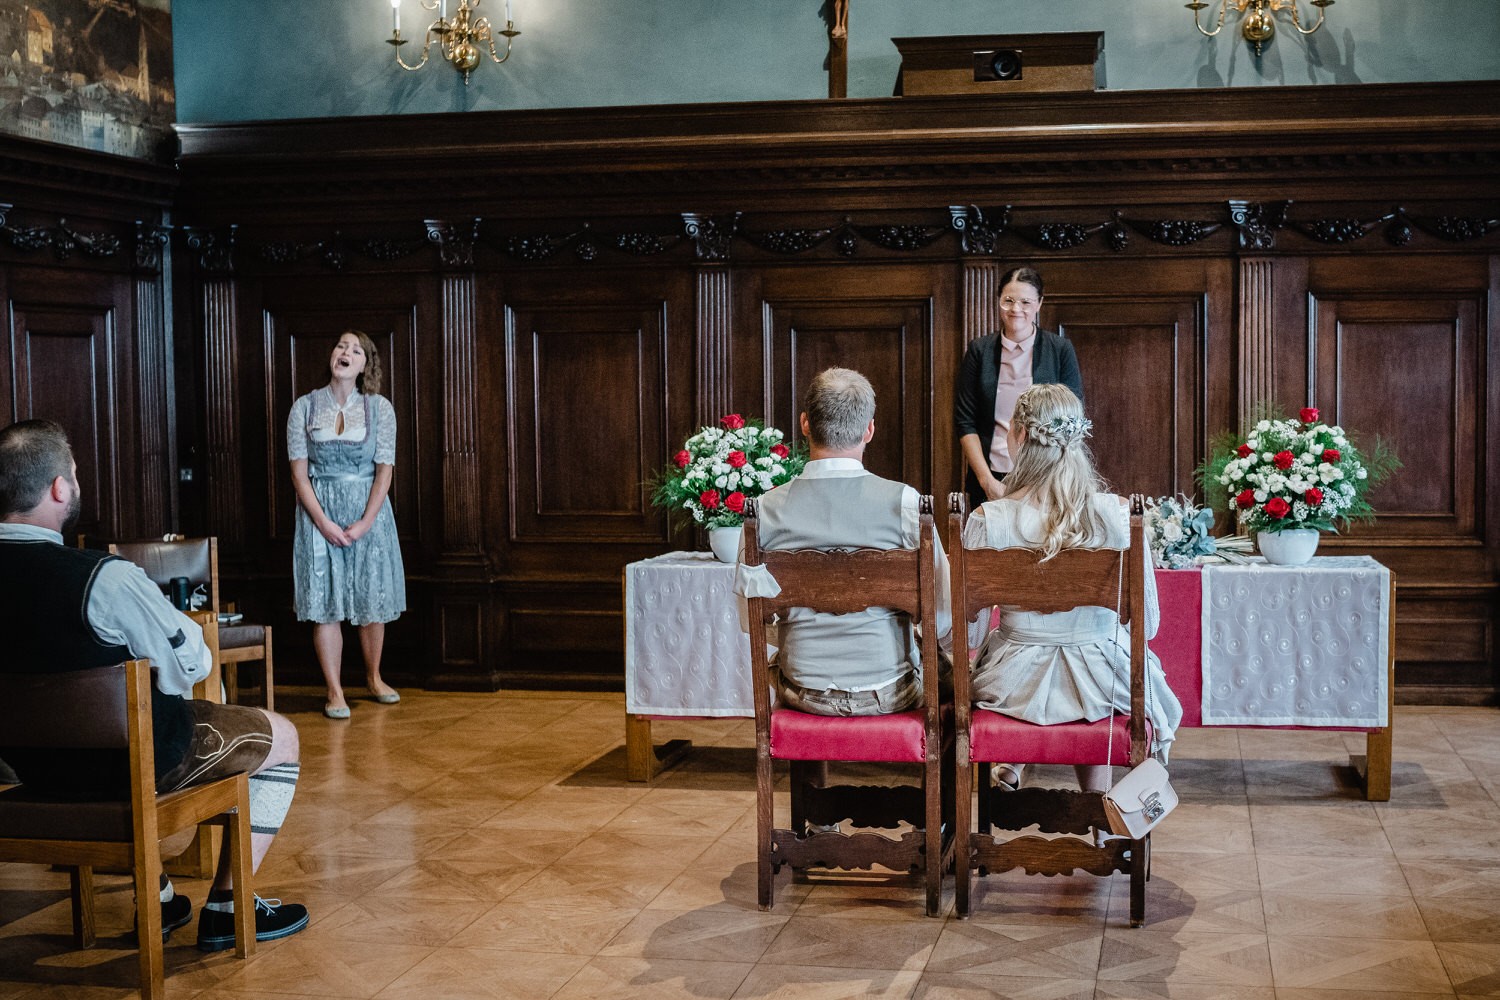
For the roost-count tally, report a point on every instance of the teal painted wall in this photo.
(239, 60)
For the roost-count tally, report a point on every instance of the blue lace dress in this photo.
(364, 583)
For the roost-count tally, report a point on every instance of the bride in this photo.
(1072, 665)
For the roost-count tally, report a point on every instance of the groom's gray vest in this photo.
(854, 652)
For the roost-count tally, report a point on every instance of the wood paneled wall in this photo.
(561, 297)
(83, 258)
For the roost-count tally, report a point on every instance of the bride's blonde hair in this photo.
(1054, 467)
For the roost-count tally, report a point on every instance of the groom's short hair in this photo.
(839, 403)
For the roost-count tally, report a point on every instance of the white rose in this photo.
(1361, 474)
(1266, 456)
(721, 482)
(1264, 425)
(764, 461)
(1171, 531)
(1261, 496)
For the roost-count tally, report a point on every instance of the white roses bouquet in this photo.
(1178, 531)
(1299, 473)
(719, 468)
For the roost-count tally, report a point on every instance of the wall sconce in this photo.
(1259, 27)
(459, 38)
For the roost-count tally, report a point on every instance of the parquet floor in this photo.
(489, 846)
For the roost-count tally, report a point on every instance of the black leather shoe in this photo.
(273, 919)
(175, 912)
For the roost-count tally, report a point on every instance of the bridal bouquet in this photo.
(1299, 473)
(719, 468)
(1178, 531)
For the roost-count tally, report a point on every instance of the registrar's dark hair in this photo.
(1025, 274)
(33, 453)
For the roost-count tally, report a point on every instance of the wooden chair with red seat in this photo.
(1015, 578)
(109, 709)
(841, 582)
(197, 559)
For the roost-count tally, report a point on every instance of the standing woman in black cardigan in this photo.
(996, 370)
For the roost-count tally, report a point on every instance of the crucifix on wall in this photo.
(837, 14)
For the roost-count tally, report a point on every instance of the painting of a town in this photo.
(90, 73)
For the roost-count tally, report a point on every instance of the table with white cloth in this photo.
(685, 655)
(1254, 645)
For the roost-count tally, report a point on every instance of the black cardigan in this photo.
(1052, 362)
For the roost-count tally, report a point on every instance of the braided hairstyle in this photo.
(1054, 466)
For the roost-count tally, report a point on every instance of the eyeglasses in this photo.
(1011, 303)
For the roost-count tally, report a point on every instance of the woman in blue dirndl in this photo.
(346, 558)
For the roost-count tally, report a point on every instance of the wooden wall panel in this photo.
(70, 362)
(609, 282)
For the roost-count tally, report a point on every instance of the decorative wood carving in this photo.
(1258, 222)
(215, 249)
(710, 236)
(61, 238)
(977, 234)
(150, 243)
(455, 246)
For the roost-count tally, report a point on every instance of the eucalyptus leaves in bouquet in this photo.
(1295, 473)
(1178, 531)
(721, 467)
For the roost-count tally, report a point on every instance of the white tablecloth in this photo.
(684, 651)
(1296, 645)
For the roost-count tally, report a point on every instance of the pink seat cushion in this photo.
(999, 738)
(801, 736)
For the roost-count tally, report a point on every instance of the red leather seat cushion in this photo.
(801, 736)
(999, 738)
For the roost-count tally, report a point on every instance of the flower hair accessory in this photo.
(1059, 432)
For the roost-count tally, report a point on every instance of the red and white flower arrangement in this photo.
(719, 468)
(1298, 473)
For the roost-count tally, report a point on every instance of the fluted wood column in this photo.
(981, 307)
(1256, 320)
(158, 497)
(461, 502)
(714, 320)
(221, 399)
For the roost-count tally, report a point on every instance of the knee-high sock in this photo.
(271, 794)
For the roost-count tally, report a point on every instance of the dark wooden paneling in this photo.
(1154, 350)
(71, 362)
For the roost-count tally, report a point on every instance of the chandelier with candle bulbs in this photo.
(461, 38)
(1259, 26)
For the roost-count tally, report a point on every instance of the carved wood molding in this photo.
(1257, 318)
(715, 310)
(158, 493)
(220, 333)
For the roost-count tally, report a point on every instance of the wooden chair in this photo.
(982, 578)
(841, 582)
(109, 708)
(198, 560)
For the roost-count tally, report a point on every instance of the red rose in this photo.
(1309, 415)
(1313, 496)
(780, 450)
(682, 458)
(1244, 451)
(737, 459)
(1331, 455)
(1278, 507)
(709, 499)
(735, 502)
(1283, 460)
(1246, 499)
(732, 421)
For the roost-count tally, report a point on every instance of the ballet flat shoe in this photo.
(336, 713)
(392, 698)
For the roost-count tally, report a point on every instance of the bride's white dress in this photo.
(1071, 665)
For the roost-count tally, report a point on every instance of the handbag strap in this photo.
(1114, 687)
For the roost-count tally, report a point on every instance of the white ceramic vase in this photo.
(726, 542)
(1289, 547)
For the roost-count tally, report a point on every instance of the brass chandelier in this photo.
(461, 39)
(1259, 26)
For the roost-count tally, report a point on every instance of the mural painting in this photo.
(89, 73)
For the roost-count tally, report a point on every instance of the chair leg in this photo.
(963, 815)
(269, 674)
(932, 786)
(802, 776)
(148, 924)
(237, 832)
(81, 892)
(764, 810)
(231, 682)
(1140, 860)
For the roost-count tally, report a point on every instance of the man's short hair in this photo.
(33, 453)
(839, 403)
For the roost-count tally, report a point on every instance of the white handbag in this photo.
(1144, 797)
(1140, 800)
